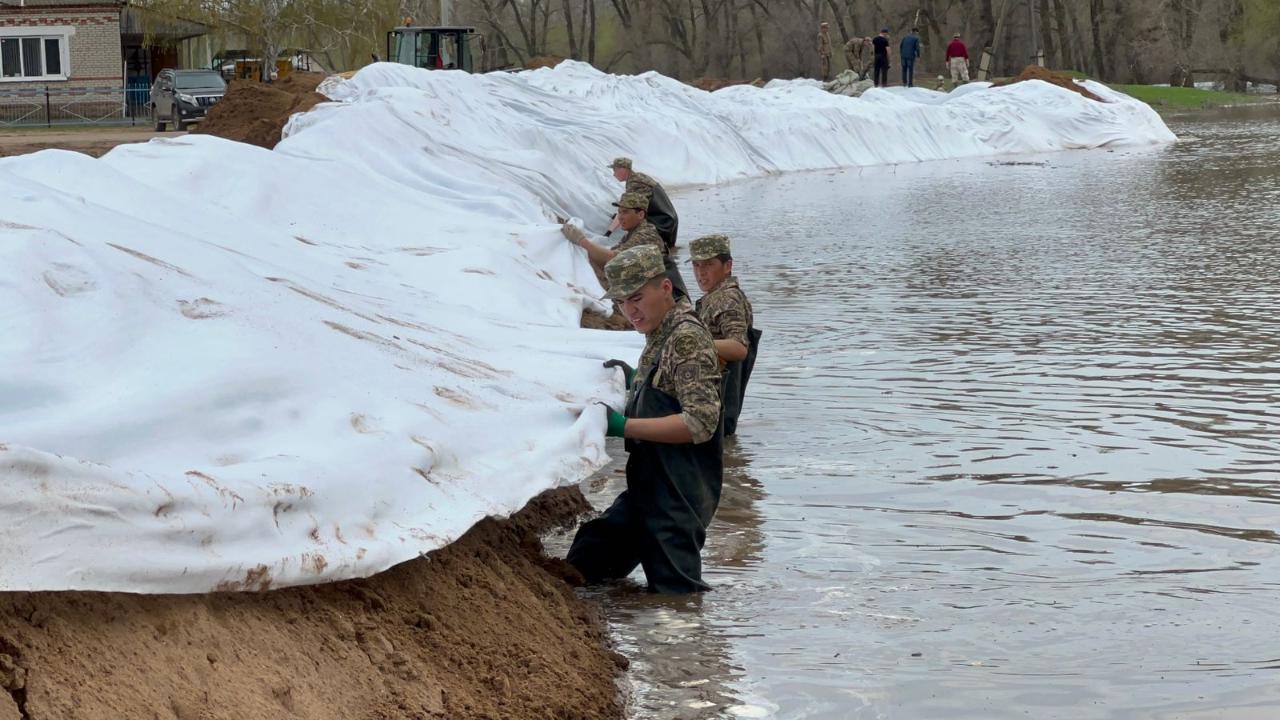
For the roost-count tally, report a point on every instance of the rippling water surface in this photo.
(1012, 448)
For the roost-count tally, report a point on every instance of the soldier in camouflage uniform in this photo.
(855, 55)
(671, 427)
(633, 217)
(726, 312)
(660, 211)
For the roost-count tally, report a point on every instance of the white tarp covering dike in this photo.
(232, 368)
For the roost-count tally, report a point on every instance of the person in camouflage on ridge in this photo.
(660, 210)
(855, 55)
(632, 215)
(727, 313)
(824, 50)
(671, 427)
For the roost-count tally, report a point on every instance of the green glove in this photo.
(617, 423)
(628, 372)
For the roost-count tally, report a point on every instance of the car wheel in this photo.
(159, 121)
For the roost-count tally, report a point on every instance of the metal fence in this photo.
(52, 105)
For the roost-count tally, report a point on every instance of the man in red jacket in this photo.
(958, 60)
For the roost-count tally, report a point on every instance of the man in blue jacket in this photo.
(910, 49)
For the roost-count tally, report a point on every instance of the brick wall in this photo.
(94, 49)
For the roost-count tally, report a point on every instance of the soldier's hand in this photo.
(617, 422)
(628, 372)
(573, 233)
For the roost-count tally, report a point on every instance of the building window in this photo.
(32, 58)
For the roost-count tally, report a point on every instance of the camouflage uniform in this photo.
(854, 52)
(725, 309)
(673, 489)
(642, 184)
(661, 212)
(685, 365)
(727, 313)
(646, 233)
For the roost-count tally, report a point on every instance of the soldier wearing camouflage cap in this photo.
(727, 313)
(660, 211)
(671, 426)
(633, 216)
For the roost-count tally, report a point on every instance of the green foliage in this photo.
(1262, 17)
(1180, 98)
(1262, 28)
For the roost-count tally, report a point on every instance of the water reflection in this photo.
(681, 648)
(1011, 448)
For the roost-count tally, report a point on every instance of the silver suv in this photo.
(179, 97)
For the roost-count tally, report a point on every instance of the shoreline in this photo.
(484, 627)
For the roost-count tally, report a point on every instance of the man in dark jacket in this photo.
(881, 45)
(910, 50)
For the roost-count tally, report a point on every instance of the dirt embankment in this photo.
(483, 628)
(541, 61)
(94, 142)
(255, 113)
(711, 84)
(1062, 80)
(593, 320)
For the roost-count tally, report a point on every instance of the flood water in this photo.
(1012, 448)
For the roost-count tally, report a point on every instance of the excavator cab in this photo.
(433, 48)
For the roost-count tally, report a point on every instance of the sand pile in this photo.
(541, 61)
(1062, 80)
(483, 628)
(593, 320)
(255, 113)
(711, 84)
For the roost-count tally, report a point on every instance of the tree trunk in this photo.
(1000, 48)
(1100, 70)
(546, 26)
(845, 33)
(755, 25)
(568, 24)
(591, 31)
(623, 9)
(1051, 49)
(1231, 34)
(743, 72)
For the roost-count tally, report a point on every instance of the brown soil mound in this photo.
(541, 61)
(711, 84)
(478, 629)
(94, 141)
(593, 320)
(1062, 80)
(255, 113)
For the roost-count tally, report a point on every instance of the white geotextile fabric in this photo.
(232, 368)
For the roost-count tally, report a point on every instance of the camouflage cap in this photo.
(630, 269)
(709, 246)
(633, 200)
(621, 162)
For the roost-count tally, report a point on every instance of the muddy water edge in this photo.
(1012, 449)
